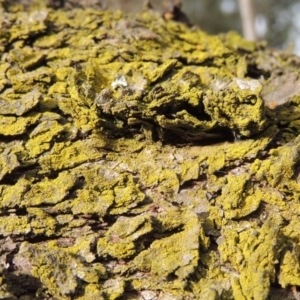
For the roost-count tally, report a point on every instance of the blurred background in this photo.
(275, 21)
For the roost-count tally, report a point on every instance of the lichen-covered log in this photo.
(142, 159)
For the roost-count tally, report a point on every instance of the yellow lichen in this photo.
(65, 155)
(252, 253)
(14, 225)
(120, 238)
(177, 254)
(138, 154)
(50, 191)
(10, 126)
(42, 136)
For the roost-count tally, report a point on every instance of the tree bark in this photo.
(142, 159)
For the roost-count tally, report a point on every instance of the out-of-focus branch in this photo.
(247, 12)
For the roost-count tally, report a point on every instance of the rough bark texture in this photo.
(141, 159)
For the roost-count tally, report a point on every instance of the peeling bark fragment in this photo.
(11, 126)
(14, 225)
(29, 25)
(59, 271)
(22, 106)
(49, 191)
(181, 260)
(68, 155)
(41, 223)
(42, 136)
(288, 275)
(120, 238)
(26, 58)
(253, 257)
(8, 162)
(11, 195)
(24, 82)
(281, 166)
(239, 197)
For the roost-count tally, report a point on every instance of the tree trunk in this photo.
(142, 159)
(247, 12)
